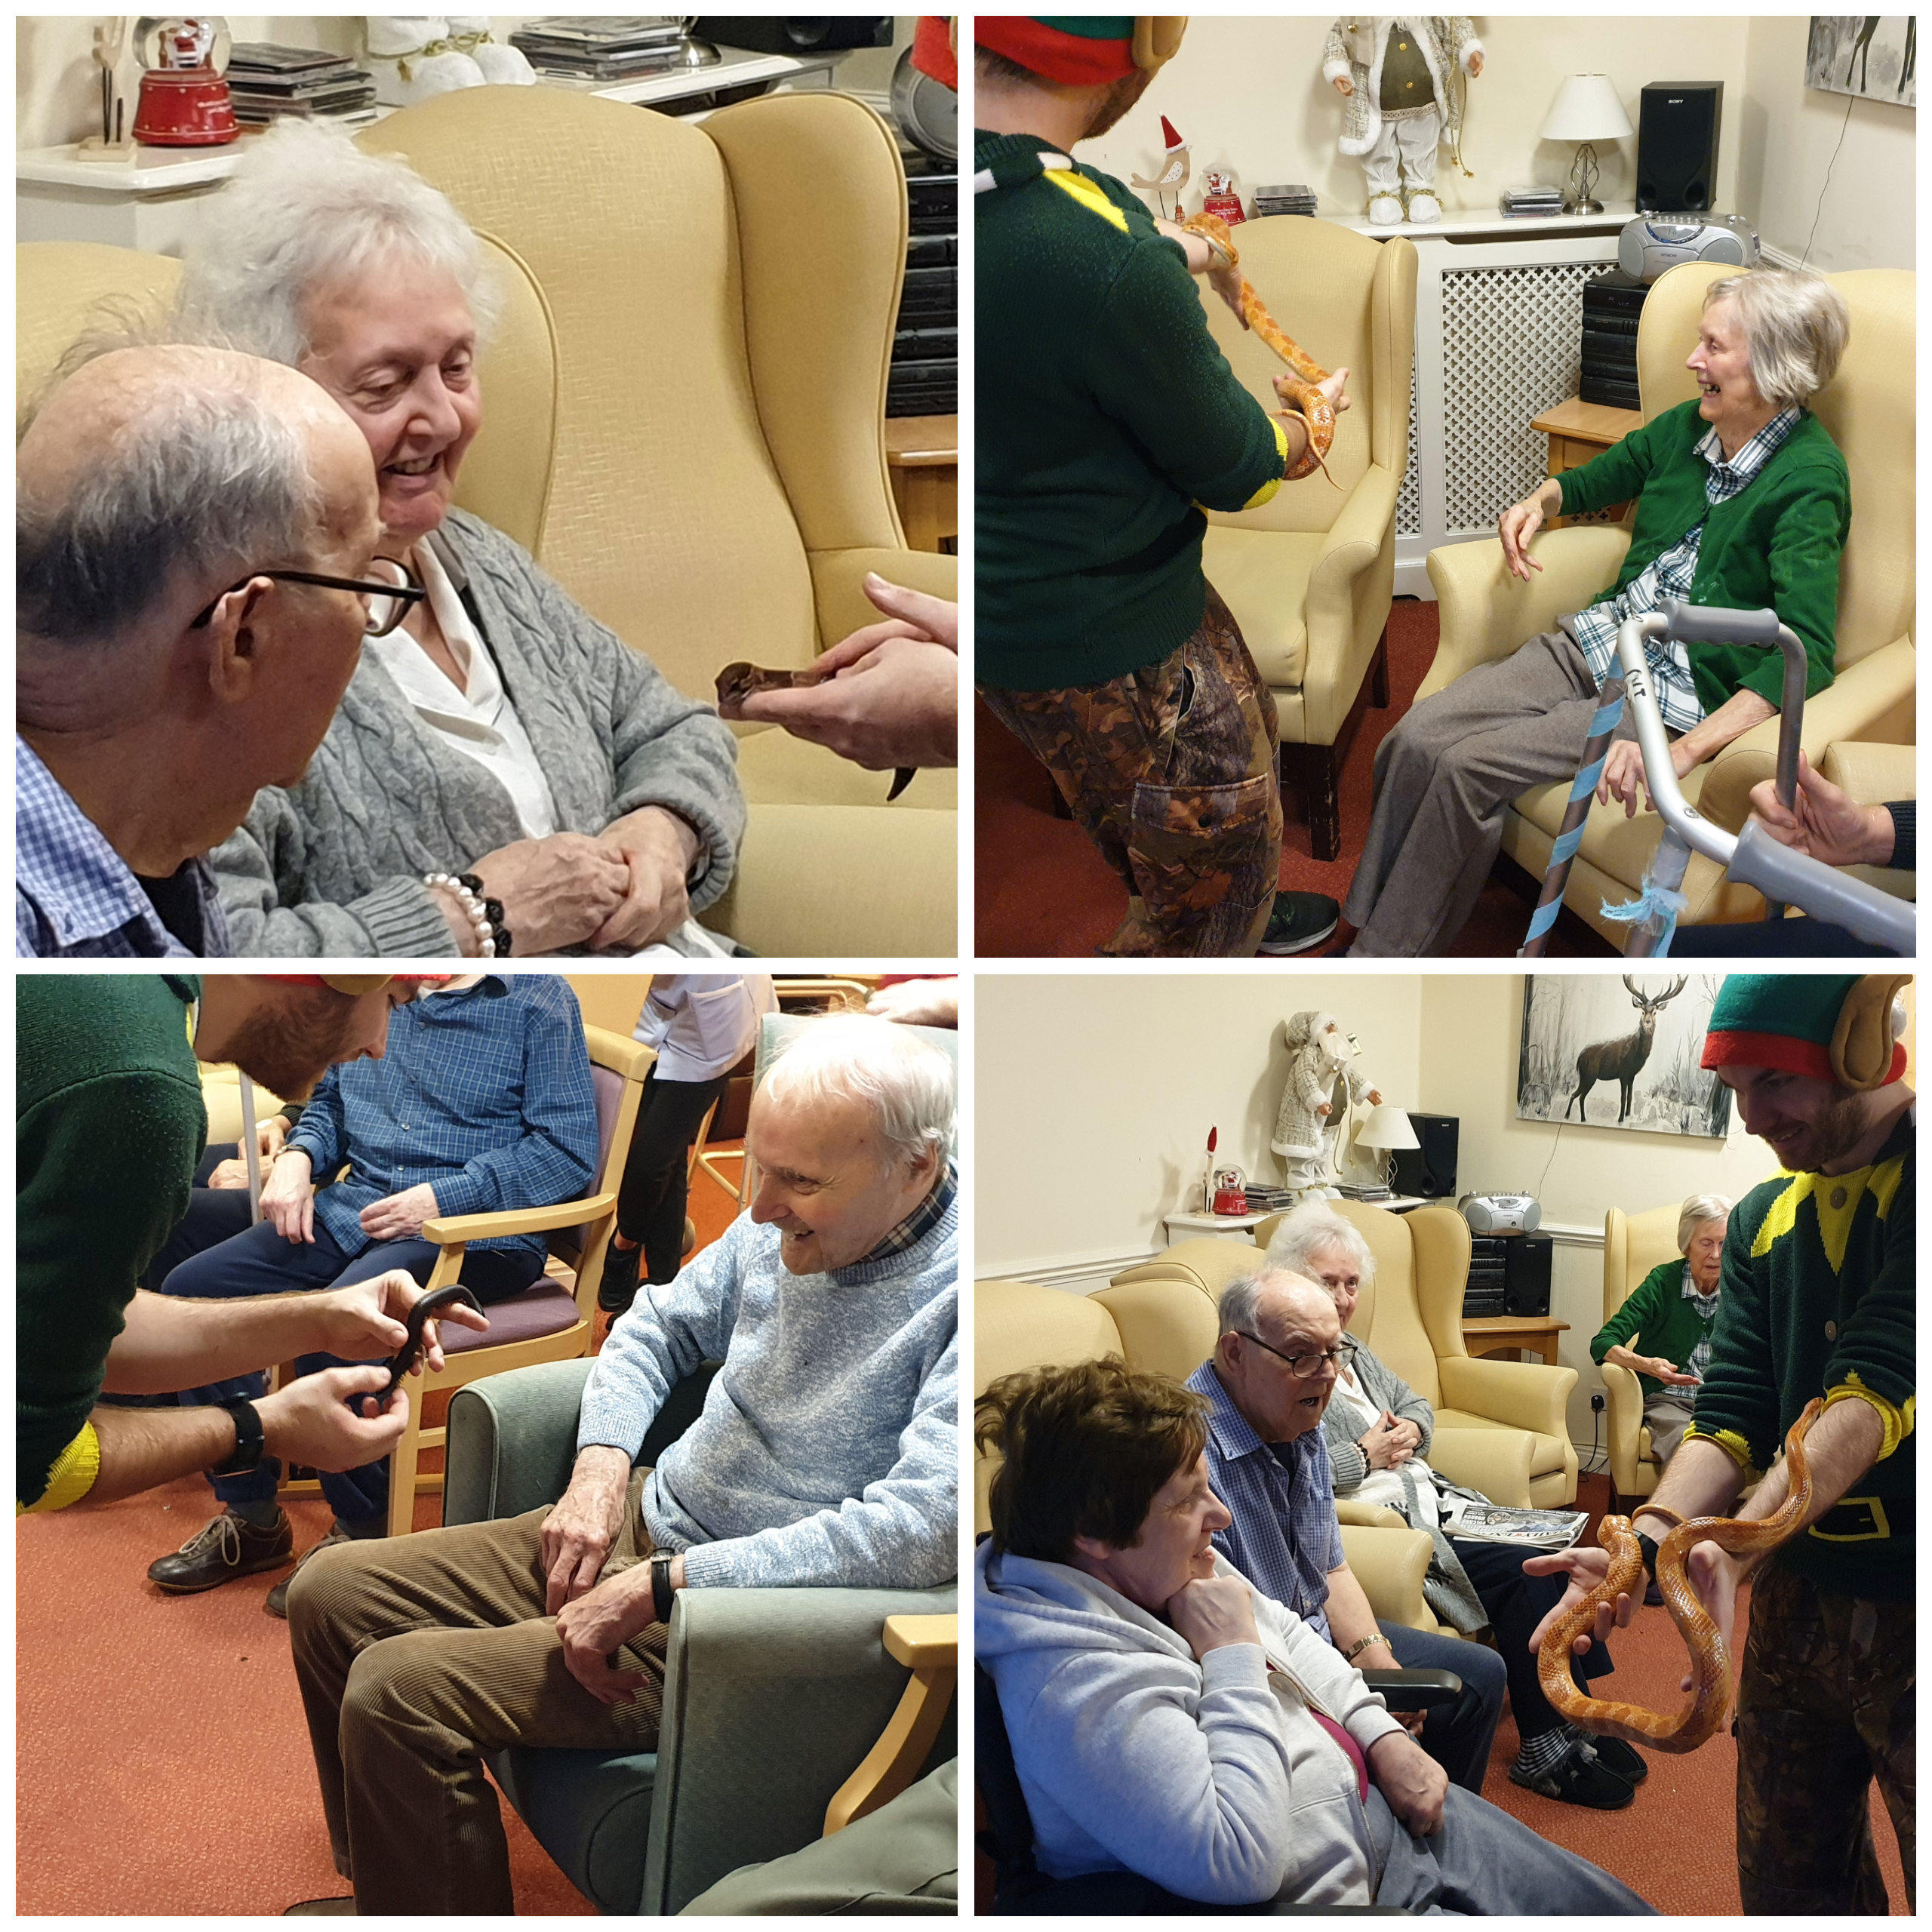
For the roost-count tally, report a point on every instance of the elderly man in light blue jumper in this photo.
(827, 1454)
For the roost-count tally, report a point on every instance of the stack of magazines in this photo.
(1293, 198)
(1532, 200)
(602, 49)
(1490, 1522)
(271, 83)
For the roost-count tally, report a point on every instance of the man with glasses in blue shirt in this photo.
(195, 533)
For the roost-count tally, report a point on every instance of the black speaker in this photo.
(1430, 1169)
(775, 33)
(1677, 144)
(1526, 1263)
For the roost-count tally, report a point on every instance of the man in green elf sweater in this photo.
(1107, 422)
(1819, 1293)
(110, 1125)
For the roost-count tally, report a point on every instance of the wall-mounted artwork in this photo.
(1873, 55)
(1621, 1052)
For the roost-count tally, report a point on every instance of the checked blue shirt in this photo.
(1284, 1539)
(74, 896)
(1672, 575)
(484, 1093)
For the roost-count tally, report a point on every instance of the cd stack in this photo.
(924, 380)
(1612, 304)
(1532, 201)
(272, 83)
(1293, 198)
(601, 50)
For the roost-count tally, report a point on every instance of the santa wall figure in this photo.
(1394, 73)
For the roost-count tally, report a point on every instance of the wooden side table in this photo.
(922, 453)
(1494, 1334)
(1578, 431)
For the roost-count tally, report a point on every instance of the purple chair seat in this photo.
(546, 1307)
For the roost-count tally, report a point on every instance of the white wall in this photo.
(57, 87)
(1247, 95)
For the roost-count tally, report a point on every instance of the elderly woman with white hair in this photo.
(505, 775)
(1742, 501)
(1672, 1311)
(1377, 1430)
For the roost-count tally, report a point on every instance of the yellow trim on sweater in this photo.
(1274, 483)
(1834, 1223)
(73, 1475)
(1089, 194)
(1732, 1445)
(1898, 1422)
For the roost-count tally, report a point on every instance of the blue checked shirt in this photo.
(74, 896)
(1671, 575)
(485, 1093)
(1284, 1539)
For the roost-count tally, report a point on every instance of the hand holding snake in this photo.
(1299, 391)
(1710, 1703)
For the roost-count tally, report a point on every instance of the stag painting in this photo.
(1567, 1052)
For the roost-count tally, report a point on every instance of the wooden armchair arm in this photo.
(930, 1646)
(458, 1230)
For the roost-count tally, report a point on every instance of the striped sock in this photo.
(1540, 1755)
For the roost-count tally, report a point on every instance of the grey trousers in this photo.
(1482, 1863)
(1667, 1417)
(1444, 777)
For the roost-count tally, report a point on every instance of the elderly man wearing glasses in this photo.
(195, 533)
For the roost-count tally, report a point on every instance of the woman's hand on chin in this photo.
(658, 849)
(556, 891)
(1212, 1611)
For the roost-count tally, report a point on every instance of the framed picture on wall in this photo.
(1873, 57)
(1621, 1052)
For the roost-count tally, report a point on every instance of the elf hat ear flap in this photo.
(1157, 39)
(1865, 1053)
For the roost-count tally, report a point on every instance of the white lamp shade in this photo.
(1587, 109)
(1387, 1127)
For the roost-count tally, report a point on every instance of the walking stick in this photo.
(1570, 835)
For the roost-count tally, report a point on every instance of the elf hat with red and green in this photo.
(1076, 50)
(1783, 1020)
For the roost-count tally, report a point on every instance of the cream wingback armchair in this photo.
(1171, 1327)
(1310, 575)
(1869, 408)
(1632, 1245)
(1500, 1427)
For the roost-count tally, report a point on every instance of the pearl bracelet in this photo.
(472, 911)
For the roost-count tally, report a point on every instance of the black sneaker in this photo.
(222, 1550)
(1616, 1756)
(1579, 1780)
(617, 1287)
(1299, 921)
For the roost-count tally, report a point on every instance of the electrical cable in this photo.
(1829, 166)
(1545, 1175)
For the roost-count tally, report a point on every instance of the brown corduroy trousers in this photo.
(417, 1657)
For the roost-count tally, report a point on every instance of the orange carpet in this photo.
(1041, 890)
(161, 1761)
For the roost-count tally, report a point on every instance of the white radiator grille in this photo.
(1512, 339)
(1408, 499)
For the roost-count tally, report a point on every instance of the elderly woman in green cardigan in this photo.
(1741, 500)
(1671, 1311)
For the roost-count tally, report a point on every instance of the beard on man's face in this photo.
(287, 1046)
(1838, 1129)
(1114, 104)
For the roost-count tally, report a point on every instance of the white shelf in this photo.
(1495, 227)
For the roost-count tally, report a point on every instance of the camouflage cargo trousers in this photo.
(1171, 772)
(1826, 1705)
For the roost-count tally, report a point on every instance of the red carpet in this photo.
(1041, 890)
(161, 1761)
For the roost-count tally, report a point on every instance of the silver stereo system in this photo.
(1653, 243)
(1501, 1214)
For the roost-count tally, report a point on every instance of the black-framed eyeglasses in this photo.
(386, 597)
(1342, 1355)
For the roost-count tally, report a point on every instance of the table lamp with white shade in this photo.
(1386, 1129)
(1587, 110)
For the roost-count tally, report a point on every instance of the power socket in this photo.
(1596, 1403)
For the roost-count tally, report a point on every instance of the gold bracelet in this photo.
(1360, 1644)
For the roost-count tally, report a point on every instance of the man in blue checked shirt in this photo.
(482, 1102)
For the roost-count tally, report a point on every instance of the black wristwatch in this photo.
(247, 1456)
(1648, 1545)
(661, 1591)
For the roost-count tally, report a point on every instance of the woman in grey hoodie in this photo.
(1167, 1720)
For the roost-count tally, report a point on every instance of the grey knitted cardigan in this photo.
(333, 866)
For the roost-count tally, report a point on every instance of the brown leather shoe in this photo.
(277, 1604)
(322, 1908)
(224, 1549)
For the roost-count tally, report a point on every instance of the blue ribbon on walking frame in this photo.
(1653, 898)
(1606, 720)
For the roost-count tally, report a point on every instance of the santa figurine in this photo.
(1394, 73)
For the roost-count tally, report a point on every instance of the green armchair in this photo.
(771, 1697)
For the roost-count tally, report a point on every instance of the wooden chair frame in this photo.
(930, 1645)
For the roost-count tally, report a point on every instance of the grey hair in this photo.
(206, 483)
(1795, 327)
(1699, 1209)
(1240, 1304)
(306, 209)
(1307, 1231)
(906, 1081)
